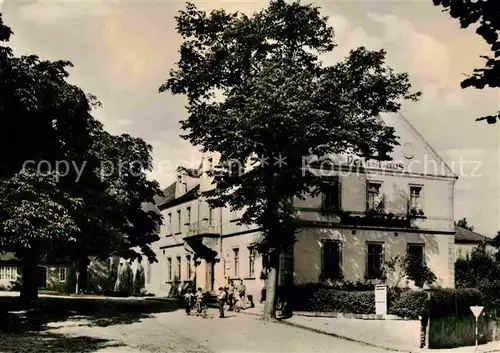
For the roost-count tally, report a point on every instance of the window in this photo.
(374, 198)
(416, 253)
(178, 221)
(188, 267)
(331, 195)
(251, 262)
(8, 273)
(374, 259)
(148, 271)
(210, 216)
(332, 259)
(236, 262)
(169, 269)
(178, 273)
(169, 223)
(62, 275)
(188, 209)
(415, 194)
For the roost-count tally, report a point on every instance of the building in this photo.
(369, 212)
(52, 276)
(466, 241)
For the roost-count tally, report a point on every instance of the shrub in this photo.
(451, 332)
(408, 304)
(319, 298)
(454, 302)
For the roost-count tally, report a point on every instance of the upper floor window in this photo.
(374, 197)
(169, 223)
(179, 220)
(169, 269)
(188, 220)
(210, 215)
(178, 272)
(331, 195)
(374, 260)
(415, 199)
(332, 259)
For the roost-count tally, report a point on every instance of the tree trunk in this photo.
(29, 286)
(82, 268)
(272, 285)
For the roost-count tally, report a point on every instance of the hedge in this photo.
(324, 299)
(406, 304)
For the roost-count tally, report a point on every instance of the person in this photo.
(221, 298)
(188, 298)
(241, 293)
(199, 300)
(231, 296)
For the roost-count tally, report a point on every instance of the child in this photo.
(199, 299)
(222, 297)
(188, 298)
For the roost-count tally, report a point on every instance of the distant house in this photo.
(466, 241)
(50, 276)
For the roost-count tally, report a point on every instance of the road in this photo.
(175, 332)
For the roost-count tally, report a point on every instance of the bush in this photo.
(451, 332)
(408, 304)
(313, 297)
(455, 302)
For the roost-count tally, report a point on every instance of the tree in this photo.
(463, 224)
(280, 105)
(54, 148)
(483, 13)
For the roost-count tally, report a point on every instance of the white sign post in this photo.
(77, 277)
(476, 310)
(381, 299)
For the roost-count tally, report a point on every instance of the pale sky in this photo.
(123, 51)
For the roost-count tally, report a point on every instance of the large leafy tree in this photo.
(279, 105)
(483, 14)
(69, 187)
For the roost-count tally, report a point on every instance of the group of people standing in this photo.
(232, 295)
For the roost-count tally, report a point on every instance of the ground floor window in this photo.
(62, 274)
(8, 273)
(374, 260)
(416, 253)
(332, 259)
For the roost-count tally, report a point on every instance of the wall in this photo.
(53, 281)
(464, 249)
(308, 252)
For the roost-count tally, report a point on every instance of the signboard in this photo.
(476, 310)
(381, 299)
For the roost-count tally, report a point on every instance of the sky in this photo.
(122, 52)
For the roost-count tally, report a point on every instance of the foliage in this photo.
(408, 267)
(407, 304)
(60, 198)
(463, 223)
(484, 15)
(452, 332)
(317, 298)
(279, 105)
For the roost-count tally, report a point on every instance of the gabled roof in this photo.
(463, 235)
(190, 195)
(168, 195)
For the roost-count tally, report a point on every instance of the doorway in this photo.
(41, 275)
(210, 275)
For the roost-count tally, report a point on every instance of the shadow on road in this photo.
(94, 312)
(52, 343)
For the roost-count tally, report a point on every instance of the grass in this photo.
(459, 331)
